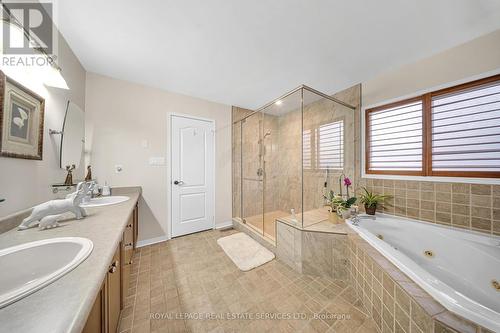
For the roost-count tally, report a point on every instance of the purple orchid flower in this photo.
(347, 182)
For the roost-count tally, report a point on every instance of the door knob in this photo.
(178, 182)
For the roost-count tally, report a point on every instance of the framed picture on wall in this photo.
(21, 120)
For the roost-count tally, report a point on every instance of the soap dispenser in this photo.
(106, 191)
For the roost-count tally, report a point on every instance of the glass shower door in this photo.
(252, 172)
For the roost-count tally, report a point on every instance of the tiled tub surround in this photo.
(454, 266)
(469, 206)
(395, 302)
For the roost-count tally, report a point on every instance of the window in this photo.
(306, 151)
(450, 132)
(395, 138)
(323, 147)
(331, 145)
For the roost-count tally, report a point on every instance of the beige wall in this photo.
(120, 116)
(24, 183)
(466, 61)
(468, 206)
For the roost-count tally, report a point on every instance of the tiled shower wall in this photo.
(283, 156)
(469, 206)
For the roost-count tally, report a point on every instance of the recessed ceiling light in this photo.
(278, 102)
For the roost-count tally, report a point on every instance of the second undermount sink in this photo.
(105, 201)
(29, 267)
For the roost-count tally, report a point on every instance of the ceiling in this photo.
(247, 53)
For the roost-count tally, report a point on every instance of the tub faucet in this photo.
(355, 216)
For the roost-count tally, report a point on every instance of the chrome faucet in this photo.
(355, 216)
(90, 190)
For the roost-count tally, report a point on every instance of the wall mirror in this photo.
(73, 136)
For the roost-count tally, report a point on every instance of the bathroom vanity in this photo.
(105, 313)
(90, 297)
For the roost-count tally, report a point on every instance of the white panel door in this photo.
(192, 175)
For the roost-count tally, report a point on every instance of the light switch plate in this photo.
(157, 161)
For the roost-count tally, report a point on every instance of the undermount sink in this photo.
(29, 267)
(105, 201)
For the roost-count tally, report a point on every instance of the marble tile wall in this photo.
(312, 253)
(393, 300)
(315, 114)
(283, 187)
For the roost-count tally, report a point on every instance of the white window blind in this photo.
(466, 130)
(306, 149)
(395, 138)
(331, 145)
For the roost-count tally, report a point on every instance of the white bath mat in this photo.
(244, 251)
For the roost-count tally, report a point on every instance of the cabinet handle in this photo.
(113, 266)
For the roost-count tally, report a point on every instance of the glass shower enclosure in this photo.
(288, 154)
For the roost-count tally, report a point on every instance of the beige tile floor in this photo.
(191, 275)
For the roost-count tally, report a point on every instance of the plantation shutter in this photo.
(306, 149)
(466, 130)
(394, 138)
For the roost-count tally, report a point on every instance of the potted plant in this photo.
(339, 207)
(371, 200)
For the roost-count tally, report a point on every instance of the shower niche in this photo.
(286, 155)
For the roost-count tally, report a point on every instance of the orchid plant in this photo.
(347, 183)
(337, 203)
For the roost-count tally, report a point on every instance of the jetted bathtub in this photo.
(461, 270)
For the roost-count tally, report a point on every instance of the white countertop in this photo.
(64, 305)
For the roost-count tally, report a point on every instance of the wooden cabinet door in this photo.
(114, 292)
(128, 234)
(136, 224)
(96, 321)
(127, 249)
(125, 283)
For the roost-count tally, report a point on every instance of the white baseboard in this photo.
(151, 241)
(224, 225)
